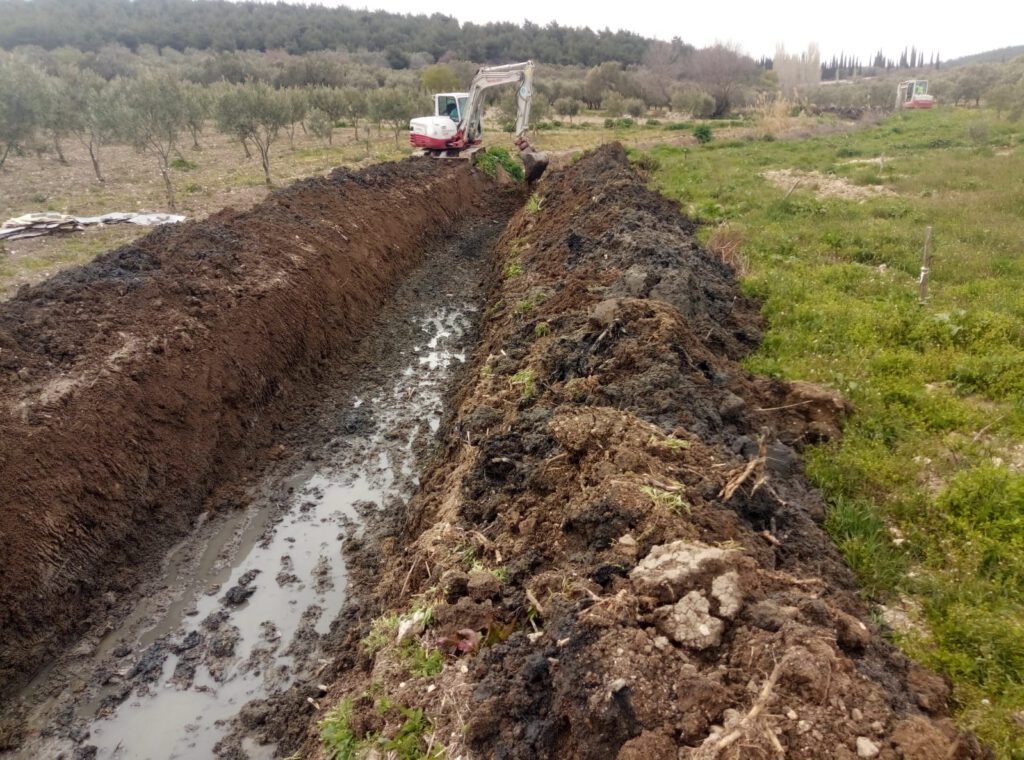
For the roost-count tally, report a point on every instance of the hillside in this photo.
(999, 55)
(225, 26)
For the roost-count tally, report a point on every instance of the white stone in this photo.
(866, 747)
(689, 623)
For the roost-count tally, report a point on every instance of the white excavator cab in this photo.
(451, 104)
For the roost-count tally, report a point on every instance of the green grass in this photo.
(930, 454)
(490, 159)
(526, 380)
(342, 742)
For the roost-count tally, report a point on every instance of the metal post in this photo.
(923, 282)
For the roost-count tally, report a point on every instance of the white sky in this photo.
(856, 26)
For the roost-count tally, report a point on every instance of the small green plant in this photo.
(382, 632)
(408, 741)
(192, 187)
(672, 501)
(526, 379)
(541, 330)
(420, 662)
(339, 740)
(703, 133)
(534, 204)
(525, 306)
(671, 442)
(183, 165)
(513, 268)
(38, 198)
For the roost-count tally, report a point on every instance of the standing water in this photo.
(242, 642)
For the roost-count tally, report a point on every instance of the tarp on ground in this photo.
(52, 222)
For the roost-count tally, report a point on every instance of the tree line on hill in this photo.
(219, 25)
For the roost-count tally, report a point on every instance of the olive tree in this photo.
(256, 112)
(154, 120)
(22, 104)
(567, 107)
(394, 107)
(198, 105)
(99, 109)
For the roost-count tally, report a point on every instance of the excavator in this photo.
(455, 129)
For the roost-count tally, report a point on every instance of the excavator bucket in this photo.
(534, 161)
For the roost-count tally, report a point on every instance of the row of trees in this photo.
(219, 25)
(158, 113)
(999, 86)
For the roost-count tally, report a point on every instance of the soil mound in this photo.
(132, 386)
(617, 554)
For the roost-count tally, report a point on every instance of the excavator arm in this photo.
(493, 76)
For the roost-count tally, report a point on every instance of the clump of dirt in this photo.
(825, 185)
(617, 554)
(132, 387)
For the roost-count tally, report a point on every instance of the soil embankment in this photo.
(617, 552)
(131, 388)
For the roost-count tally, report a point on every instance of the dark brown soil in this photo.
(133, 387)
(619, 550)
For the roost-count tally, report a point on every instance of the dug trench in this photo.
(615, 552)
(188, 387)
(612, 550)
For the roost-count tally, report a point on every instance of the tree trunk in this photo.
(94, 156)
(165, 172)
(245, 145)
(195, 137)
(3, 158)
(60, 150)
(265, 159)
(355, 126)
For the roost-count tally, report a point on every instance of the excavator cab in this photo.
(451, 104)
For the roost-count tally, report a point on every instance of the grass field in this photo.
(926, 489)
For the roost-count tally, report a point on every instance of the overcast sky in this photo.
(859, 27)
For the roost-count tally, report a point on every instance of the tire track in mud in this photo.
(138, 391)
(620, 554)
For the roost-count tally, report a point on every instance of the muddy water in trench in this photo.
(244, 600)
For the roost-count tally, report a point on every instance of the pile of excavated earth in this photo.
(613, 551)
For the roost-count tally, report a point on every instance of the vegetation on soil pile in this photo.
(926, 488)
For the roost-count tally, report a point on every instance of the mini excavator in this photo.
(455, 129)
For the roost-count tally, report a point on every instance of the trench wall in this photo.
(134, 387)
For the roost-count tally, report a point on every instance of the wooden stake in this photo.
(923, 282)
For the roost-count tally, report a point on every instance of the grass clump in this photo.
(703, 133)
(382, 632)
(667, 499)
(541, 330)
(526, 380)
(420, 661)
(408, 742)
(490, 159)
(534, 203)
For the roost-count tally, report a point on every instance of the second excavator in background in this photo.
(455, 129)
